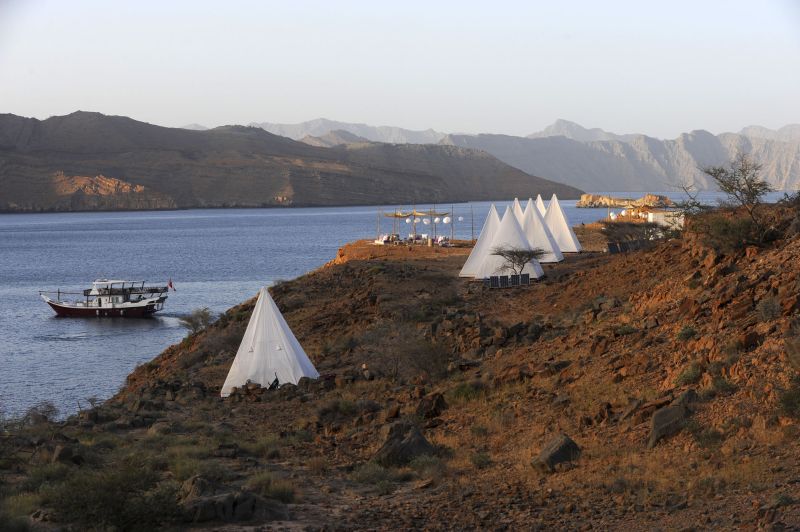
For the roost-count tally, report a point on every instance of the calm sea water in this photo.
(216, 259)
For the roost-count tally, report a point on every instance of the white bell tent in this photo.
(508, 234)
(540, 204)
(482, 246)
(528, 206)
(268, 350)
(539, 235)
(517, 210)
(560, 228)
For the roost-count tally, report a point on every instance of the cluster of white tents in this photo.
(534, 227)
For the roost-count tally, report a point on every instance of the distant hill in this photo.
(195, 127)
(600, 161)
(323, 126)
(571, 130)
(593, 159)
(333, 138)
(88, 161)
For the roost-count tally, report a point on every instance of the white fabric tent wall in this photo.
(268, 348)
(528, 206)
(482, 245)
(509, 234)
(540, 204)
(539, 235)
(517, 210)
(560, 228)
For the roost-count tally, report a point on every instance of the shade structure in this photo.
(517, 208)
(508, 234)
(268, 350)
(482, 245)
(540, 204)
(560, 228)
(539, 235)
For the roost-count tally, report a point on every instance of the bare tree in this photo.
(517, 258)
(691, 206)
(741, 181)
(199, 319)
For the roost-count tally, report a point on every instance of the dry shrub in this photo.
(400, 352)
(266, 485)
(126, 497)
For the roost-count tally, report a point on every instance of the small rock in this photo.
(666, 422)
(404, 442)
(558, 450)
(431, 406)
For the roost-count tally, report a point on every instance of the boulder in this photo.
(431, 406)
(686, 398)
(195, 486)
(65, 454)
(404, 442)
(558, 450)
(667, 422)
(226, 507)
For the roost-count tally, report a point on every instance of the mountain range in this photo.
(90, 161)
(595, 159)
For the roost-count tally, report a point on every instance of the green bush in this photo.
(126, 497)
(768, 309)
(686, 334)
(690, 375)
(480, 460)
(624, 330)
(722, 386)
(789, 399)
(729, 235)
(466, 391)
(371, 473)
(43, 474)
(705, 437)
(427, 465)
(21, 504)
(13, 524)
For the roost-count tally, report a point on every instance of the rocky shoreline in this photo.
(602, 201)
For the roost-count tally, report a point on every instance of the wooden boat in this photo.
(106, 298)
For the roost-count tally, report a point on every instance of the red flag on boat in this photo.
(169, 285)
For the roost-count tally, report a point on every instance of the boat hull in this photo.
(143, 311)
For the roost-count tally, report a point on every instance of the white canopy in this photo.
(508, 234)
(268, 350)
(540, 204)
(517, 210)
(560, 227)
(482, 246)
(539, 235)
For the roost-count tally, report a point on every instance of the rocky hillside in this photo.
(654, 389)
(233, 166)
(597, 160)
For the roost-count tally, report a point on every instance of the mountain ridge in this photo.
(231, 166)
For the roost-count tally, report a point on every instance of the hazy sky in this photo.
(496, 66)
